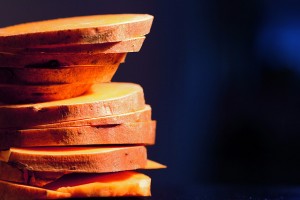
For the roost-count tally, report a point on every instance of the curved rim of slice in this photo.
(125, 46)
(145, 114)
(128, 133)
(105, 99)
(77, 30)
(40, 93)
(88, 74)
(77, 159)
(43, 60)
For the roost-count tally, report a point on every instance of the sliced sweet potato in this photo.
(127, 183)
(43, 60)
(116, 184)
(130, 117)
(77, 159)
(18, 174)
(76, 30)
(105, 99)
(129, 133)
(130, 45)
(64, 75)
(40, 93)
(14, 191)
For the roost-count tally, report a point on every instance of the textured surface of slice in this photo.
(40, 93)
(77, 159)
(77, 30)
(64, 75)
(130, 45)
(103, 185)
(42, 60)
(130, 117)
(118, 184)
(128, 133)
(13, 191)
(18, 174)
(105, 99)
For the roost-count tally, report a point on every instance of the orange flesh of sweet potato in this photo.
(116, 184)
(126, 183)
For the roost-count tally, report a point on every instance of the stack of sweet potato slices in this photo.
(39, 59)
(65, 130)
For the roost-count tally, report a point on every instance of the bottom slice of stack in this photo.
(88, 146)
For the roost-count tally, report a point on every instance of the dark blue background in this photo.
(222, 78)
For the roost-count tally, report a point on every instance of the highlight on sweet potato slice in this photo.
(118, 184)
(126, 183)
(77, 30)
(77, 159)
(104, 99)
(43, 60)
(87, 74)
(128, 133)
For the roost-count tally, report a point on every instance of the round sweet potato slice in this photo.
(104, 99)
(77, 30)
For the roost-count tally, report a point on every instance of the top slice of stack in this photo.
(76, 30)
(60, 50)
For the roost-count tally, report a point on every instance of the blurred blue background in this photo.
(222, 77)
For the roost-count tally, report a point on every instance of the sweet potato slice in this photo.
(64, 75)
(105, 99)
(43, 60)
(128, 133)
(127, 183)
(40, 93)
(77, 30)
(13, 191)
(18, 174)
(118, 184)
(130, 117)
(77, 159)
